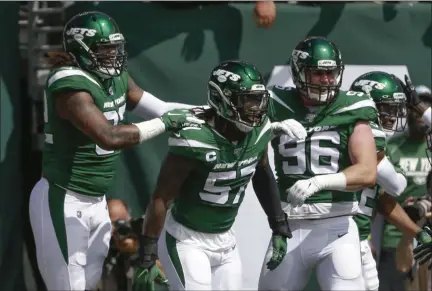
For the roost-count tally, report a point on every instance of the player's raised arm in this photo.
(415, 102)
(146, 105)
(266, 191)
(79, 108)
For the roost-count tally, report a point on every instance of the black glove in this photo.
(280, 226)
(411, 94)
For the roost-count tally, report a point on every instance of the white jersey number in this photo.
(365, 203)
(114, 117)
(297, 159)
(222, 193)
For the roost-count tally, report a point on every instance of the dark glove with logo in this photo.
(281, 232)
(423, 252)
(148, 276)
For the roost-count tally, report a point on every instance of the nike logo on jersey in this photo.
(342, 234)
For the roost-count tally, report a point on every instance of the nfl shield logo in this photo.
(238, 151)
(110, 91)
(310, 117)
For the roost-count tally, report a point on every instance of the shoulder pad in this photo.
(71, 78)
(357, 105)
(194, 142)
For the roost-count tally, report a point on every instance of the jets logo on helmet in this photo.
(81, 31)
(371, 83)
(96, 43)
(237, 93)
(223, 75)
(317, 68)
(387, 93)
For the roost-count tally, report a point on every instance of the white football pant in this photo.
(331, 244)
(72, 234)
(369, 269)
(199, 261)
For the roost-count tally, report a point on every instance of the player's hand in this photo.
(264, 13)
(148, 273)
(178, 118)
(281, 231)
(423, 252)
(290, 127)
(411, 94)
(279, 245)
(301, 191)
(149, 279)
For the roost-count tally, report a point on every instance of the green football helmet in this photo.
(387, 92)
(311, 59)
(95, 41)
(237, 92)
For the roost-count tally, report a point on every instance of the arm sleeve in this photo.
(389, 179)
(150, 106)
(265, 187)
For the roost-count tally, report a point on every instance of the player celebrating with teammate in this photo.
(387, 92)
(318, 177)
(85, 102)
(205, 175)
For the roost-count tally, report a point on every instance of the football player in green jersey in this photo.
(417, 96)
(387, 92)
(408, 152)
(204, 176)
(85, 98)
(318, 177)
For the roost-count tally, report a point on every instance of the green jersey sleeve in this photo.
(351, 107)
(71, 78)
(194, 143)
(379, 136)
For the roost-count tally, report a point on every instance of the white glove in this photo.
(302, 190)
(290, 127)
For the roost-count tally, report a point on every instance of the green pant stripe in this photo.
(171, 244)
(56, 197)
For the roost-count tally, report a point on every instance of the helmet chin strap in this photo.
(243, 127)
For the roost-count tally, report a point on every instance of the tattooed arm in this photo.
(78, 108)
